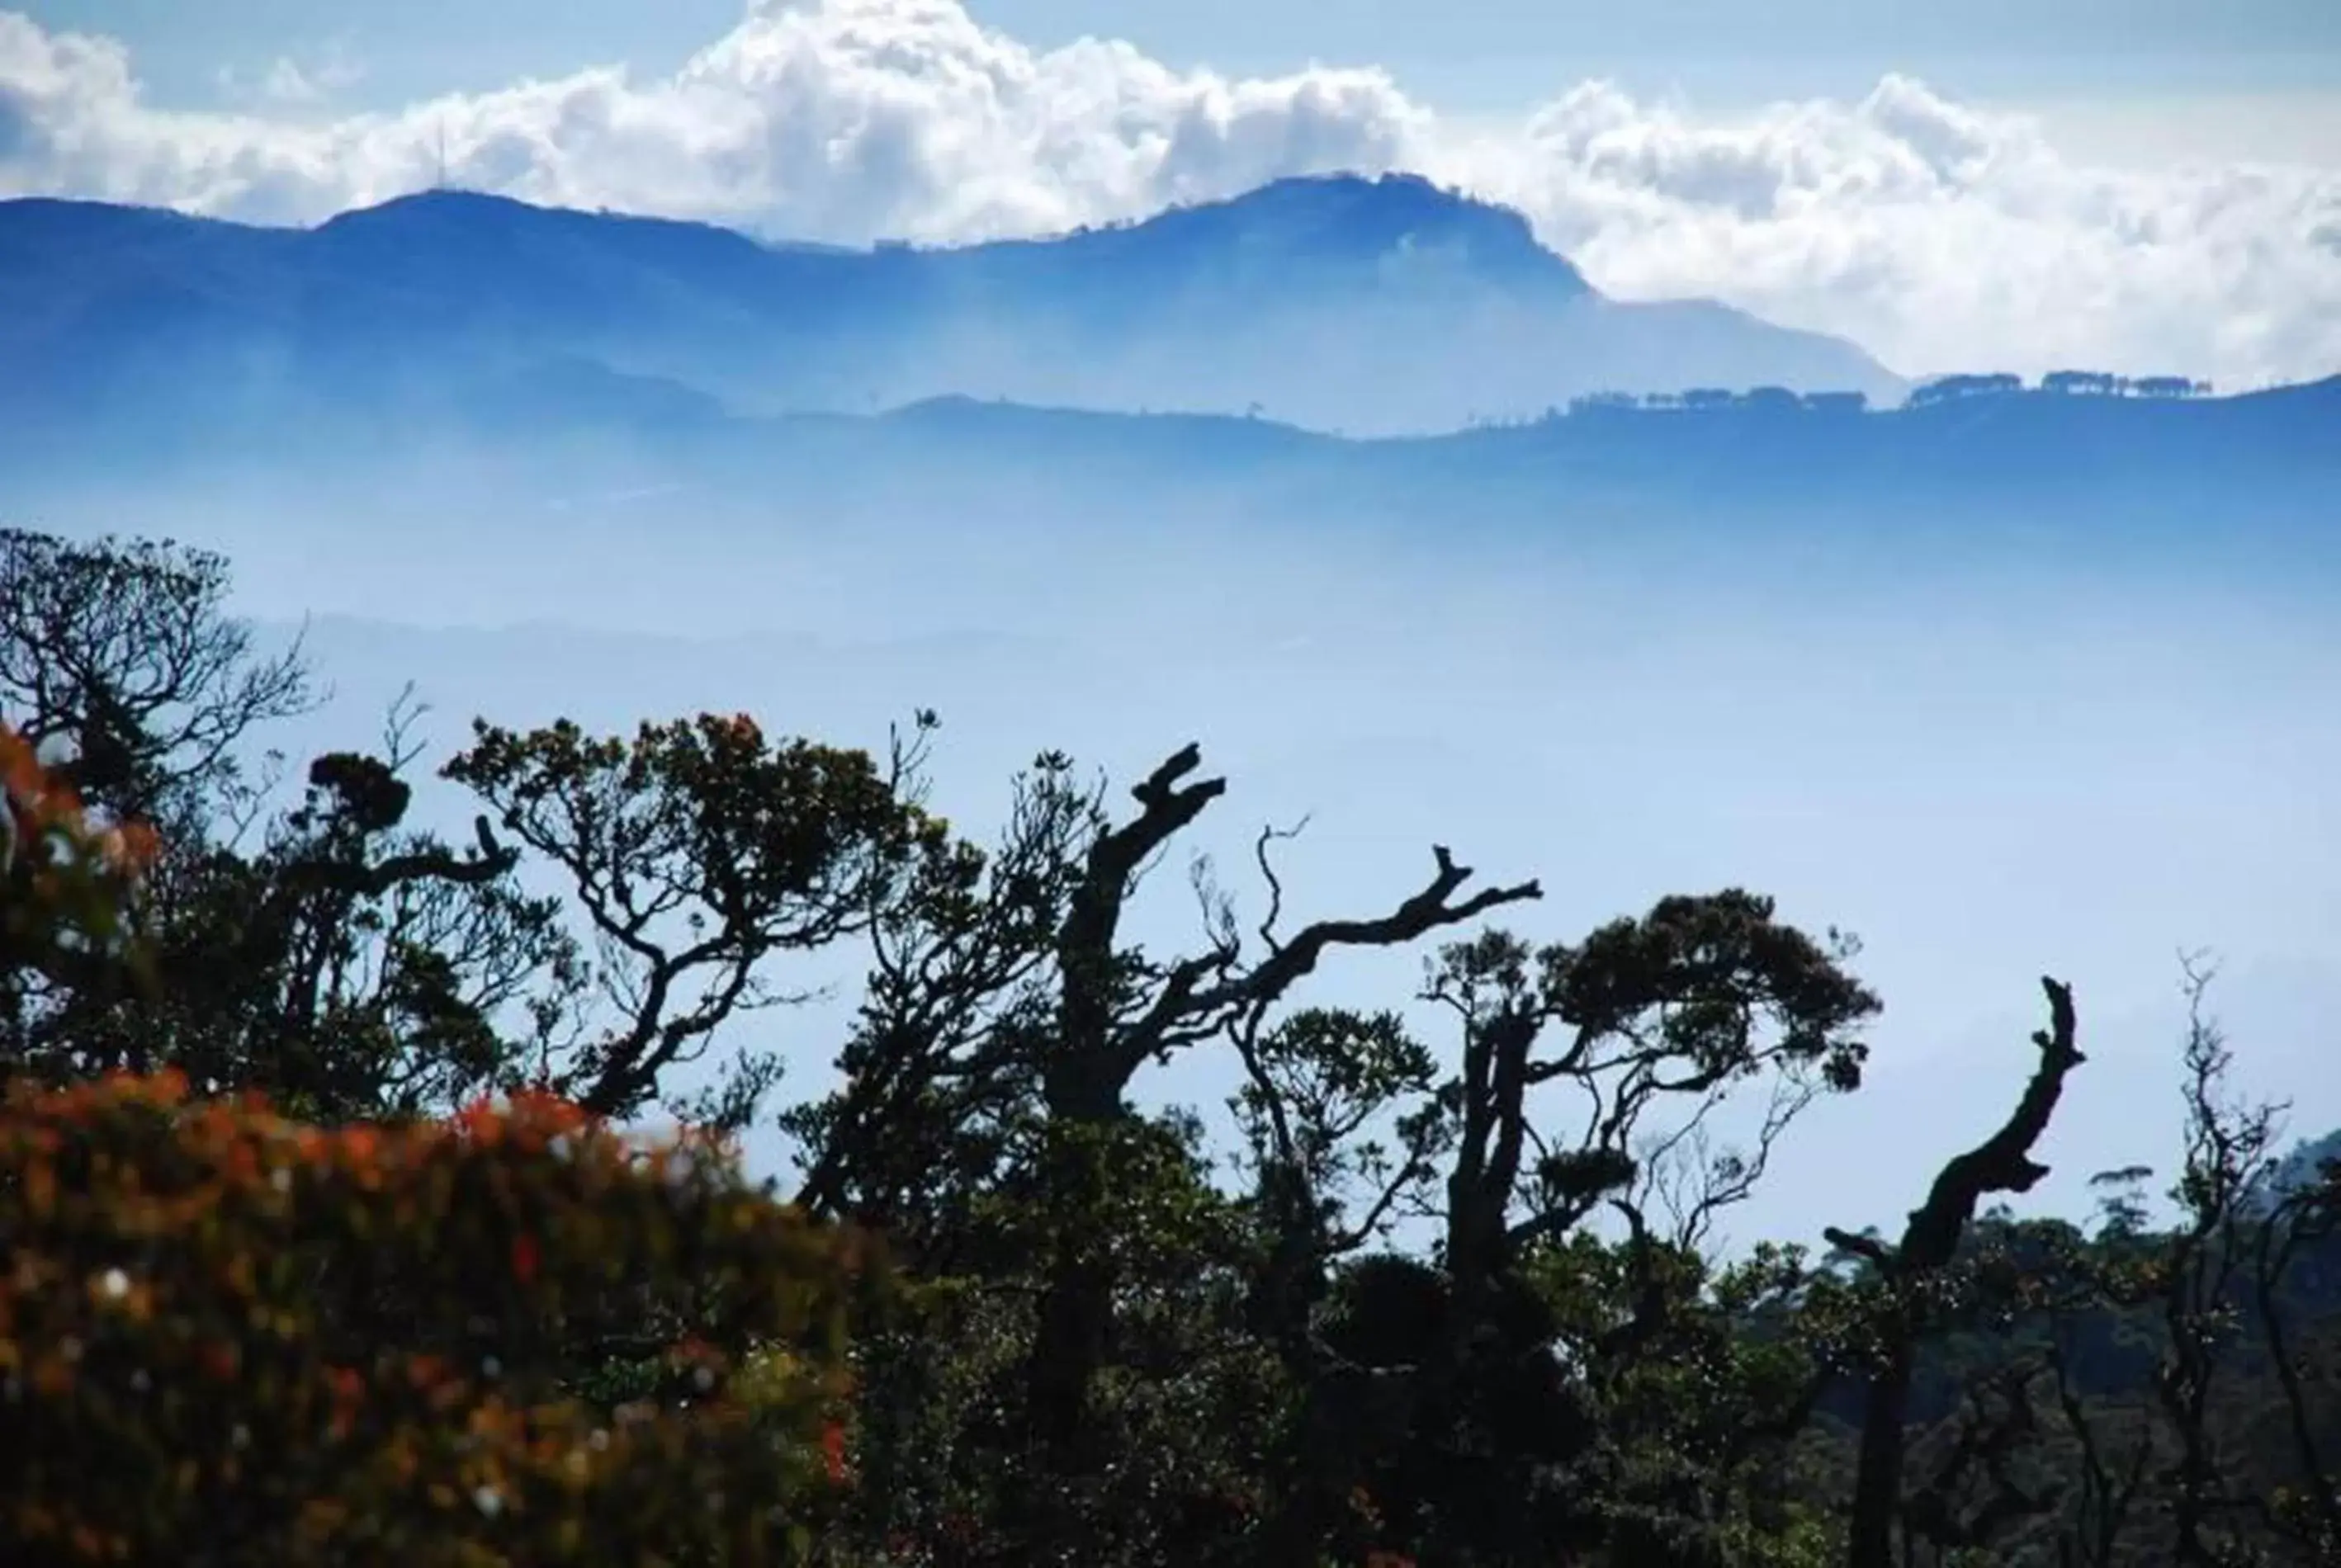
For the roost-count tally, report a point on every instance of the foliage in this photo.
(121, 651)
(232, 1337)
(325, 953)
(345, 966)
(67, 882)
(1450, 1296)
(66, 871)
(698, 851)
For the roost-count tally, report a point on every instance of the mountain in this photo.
(2029, 486)
(1337, 303)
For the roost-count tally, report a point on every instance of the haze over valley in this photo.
(2053, 654)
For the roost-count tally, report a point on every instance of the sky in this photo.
(1468, 55)
(2034, 184)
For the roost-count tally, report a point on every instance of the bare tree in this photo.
(2001, 1163)
(1116, 1010)
(2228, 1145)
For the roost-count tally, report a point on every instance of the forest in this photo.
(370, 1194)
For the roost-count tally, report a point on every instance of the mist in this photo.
(2018, 764)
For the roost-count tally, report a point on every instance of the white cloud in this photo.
(289, 81)
(1938, 235)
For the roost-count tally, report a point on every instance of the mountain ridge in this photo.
(1381, 305)
(2223, 485)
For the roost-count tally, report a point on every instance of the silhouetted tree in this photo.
(326, 954)
(2001, 1163)
(698, 852)
(1099, 1350)
(119, 661)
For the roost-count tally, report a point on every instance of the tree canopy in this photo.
(326, 1238)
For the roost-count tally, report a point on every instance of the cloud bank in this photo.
(1938, 236)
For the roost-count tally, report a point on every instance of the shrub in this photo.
(227, 1338)
(65, 880)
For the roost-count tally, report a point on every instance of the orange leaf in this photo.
(832, 1449)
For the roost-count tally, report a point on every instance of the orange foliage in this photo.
(40, 807)
(62, 877)
(226, 1337)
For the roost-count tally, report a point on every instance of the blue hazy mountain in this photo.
(1335, 302)
(2237, 487)
(522, 354)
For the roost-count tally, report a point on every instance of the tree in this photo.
(1103, 1348)
(1008, 1021)
(1115, 1010)
(1676, 1008)
(2229, 1151)
(231, 1337)
(1321, 1084)
(344, 963)
(2129, 1396)
(698, 852)
(2303, 1225)
(122, 655)
(2001, 1163)
(324, 953)
(65, 886)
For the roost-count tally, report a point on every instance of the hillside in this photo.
(2027, 489)
(1367, 305)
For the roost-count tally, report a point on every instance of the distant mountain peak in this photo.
(1306, 221)
(1348, 223)
(443, 202)
(1377, 206)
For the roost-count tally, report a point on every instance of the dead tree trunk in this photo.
(2001, 1163)
(1115, 1013)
